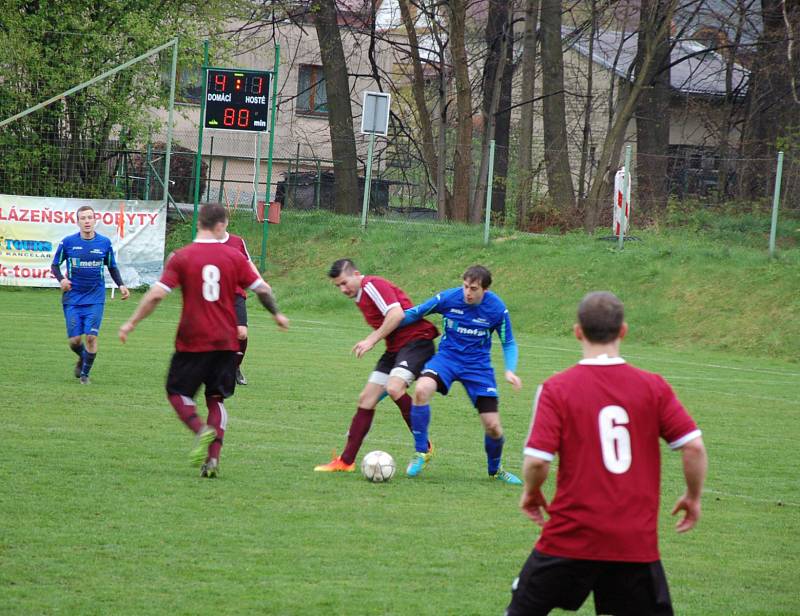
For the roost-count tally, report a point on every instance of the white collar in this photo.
(209, 241)
(602, 360)
(225, 239)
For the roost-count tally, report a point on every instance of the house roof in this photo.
(695, 70)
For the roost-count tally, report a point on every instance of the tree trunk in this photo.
(502, 130)
(528, 92)
(462, 159)
(494, 71)
(587, 110)
(612, 146)
(771, 110)
(652, 109)
(559, 176)
(340, 117)
(418, 88)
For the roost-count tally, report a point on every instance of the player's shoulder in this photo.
(452, 295)
(493, 300)
(376, 280)
(71, 239)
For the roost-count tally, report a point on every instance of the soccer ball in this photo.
(378, 466)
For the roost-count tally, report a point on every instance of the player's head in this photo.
(86, 219)
(477, 279)
(213, 217)
(601, 318)
(345, 276)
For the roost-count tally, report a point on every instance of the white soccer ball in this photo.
(378, 466)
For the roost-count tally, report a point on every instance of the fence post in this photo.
(776, 198)
(489, 187)
(626, 182)
(198, 161)
(367, 181)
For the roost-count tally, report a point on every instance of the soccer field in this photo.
(101, 513)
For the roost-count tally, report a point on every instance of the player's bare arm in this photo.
(146, 306)
(515, 381)
(390, 323)
(533, 502)
(267, 299)
(695, 466)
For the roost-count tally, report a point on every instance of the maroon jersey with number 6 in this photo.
(208, 274)
(375, 297)
(604, 419)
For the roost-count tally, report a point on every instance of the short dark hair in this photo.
(84, 208)
(478, 273)
(211, 214)
(600, 315)
(341, 266)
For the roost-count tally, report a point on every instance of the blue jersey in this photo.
(86, 260)
(468, 328)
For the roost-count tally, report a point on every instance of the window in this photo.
(312, 96)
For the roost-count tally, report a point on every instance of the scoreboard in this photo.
(237, 99)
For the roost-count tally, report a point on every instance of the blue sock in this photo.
(494, 452)
(420, 420)
(88, 361)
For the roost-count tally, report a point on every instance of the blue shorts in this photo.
(478, 380)
(83, 319)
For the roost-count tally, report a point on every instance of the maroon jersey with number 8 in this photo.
(208, 274)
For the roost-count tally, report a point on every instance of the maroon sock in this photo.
(240, 354)
(359, 427)
(187, 411)
(404, 404)
(218, 419)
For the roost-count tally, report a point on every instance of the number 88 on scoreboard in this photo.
(237, 99)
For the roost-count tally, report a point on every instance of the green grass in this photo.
(682, 289)
(101, 514)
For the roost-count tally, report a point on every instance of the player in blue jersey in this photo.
(470, 314)
(87, 254)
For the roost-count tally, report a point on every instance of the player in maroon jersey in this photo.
(604, 419)
(236, 242)
(383, 305)
(208, 274)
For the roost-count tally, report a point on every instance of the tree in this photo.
(462, 160)
(556, 154)
(652, 108)
(772, 108)
(340, 115)
(526, 119)
(496, 79)
(63, 150)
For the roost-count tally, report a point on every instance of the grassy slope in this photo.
(684, 289)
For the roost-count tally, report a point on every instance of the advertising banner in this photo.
(32, 227)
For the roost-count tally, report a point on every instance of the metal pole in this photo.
(168, 153)
(210, 167)
(147, 170)
(265, 230)
(625, 184)
(257, 174)
(198, 161)
(90, 82)
(367, 181)
(776, 198)
(317, 186)
(489, 194)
